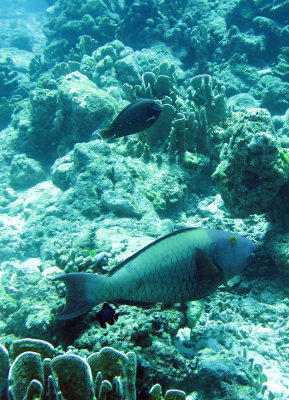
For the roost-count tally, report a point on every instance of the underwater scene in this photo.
(144, 199)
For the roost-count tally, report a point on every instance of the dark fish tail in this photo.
(81, 293)
(107, 133)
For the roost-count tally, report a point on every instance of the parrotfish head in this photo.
(155, 107)
(232, 252)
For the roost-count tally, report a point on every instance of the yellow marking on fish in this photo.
(233, 239)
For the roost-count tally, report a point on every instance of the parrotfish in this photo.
(134, 118)
(182, 266)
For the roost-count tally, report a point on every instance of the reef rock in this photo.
(251, 171)
(25, 172)
(85, 106)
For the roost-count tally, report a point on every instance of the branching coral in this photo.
(188, 115)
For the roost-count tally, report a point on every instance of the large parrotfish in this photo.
(185, 265)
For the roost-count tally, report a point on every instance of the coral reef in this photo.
(140, 25)
(251, 172)
(282, 67)
(6, 110)
(105, 374)
(14, 86)
(59, 118)
(25, 172)
(109, 173)
(8, 78)
(278, 213)
(192, 117)
(275, 97)
(277, 248)
(88, 18)
(187, 123)
(70, 203)
(4, 359)
(21, 39)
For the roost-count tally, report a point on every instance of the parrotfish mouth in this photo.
(251, 256)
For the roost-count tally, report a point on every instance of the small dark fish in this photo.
(106, 314)
(134, 118)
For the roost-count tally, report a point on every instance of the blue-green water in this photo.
(71, 200)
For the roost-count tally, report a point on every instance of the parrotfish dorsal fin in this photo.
(163, 238)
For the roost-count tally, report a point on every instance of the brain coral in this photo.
(251, 171)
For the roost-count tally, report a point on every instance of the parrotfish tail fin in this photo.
(107, 134)
(97, 135)
(79, 298)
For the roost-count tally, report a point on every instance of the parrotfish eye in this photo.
(233, 239)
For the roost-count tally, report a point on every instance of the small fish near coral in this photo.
(106, 315)
(134, 118)
(182, 266)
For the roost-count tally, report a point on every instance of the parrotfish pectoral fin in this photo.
(209, 277)
(206, 269)
(77, 295)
